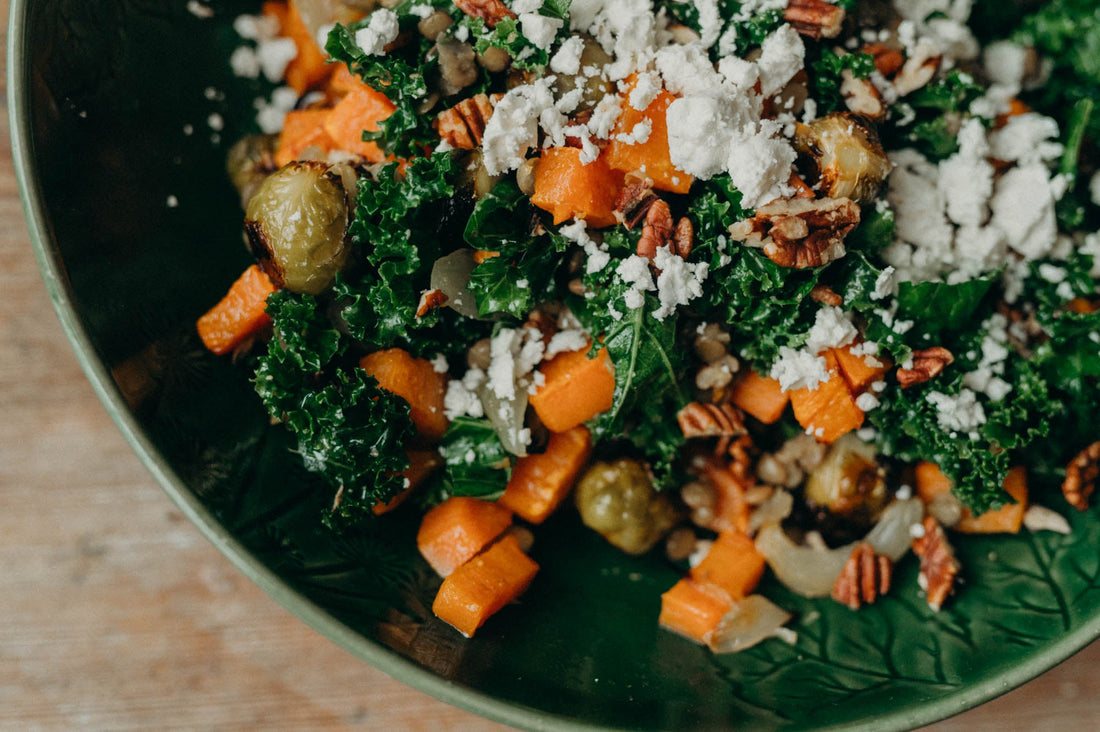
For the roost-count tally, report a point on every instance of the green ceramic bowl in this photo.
(115, 109)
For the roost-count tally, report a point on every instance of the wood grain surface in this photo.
(115, 612)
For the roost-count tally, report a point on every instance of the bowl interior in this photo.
(122, 113)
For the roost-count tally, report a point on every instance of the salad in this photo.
(777, 285)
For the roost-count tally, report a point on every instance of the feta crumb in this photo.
(679, 283)
(832, 328)
(596, 255)
(514, 126)
(539, 29)
(646, 88)
(439, 364)
(959, 412)
(634, 271)
(1094, 188)
(381, 30)
(799, 369)
(867, 401)
(782, 55)
(567, 340)
(567, 60)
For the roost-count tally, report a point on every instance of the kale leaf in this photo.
(348, 429)
(475, 462)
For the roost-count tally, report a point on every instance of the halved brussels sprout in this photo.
(296, 224)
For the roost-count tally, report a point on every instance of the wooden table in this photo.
(116, 613)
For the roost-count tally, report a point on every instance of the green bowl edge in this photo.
(381, 658)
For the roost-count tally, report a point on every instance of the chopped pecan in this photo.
(491, 11)
(938, 566)
(861, 96)
(865, 577)
(1081, 477)
(717, 375)
(710, 420)
(918, 69)
(800, 232)
(888, 61)
(657, 231)
(430, 300)
(927, 364)
(814, 18)
(683, 238)
(633, 202)
(826, 296)
(463, 125)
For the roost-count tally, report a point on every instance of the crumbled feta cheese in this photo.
(832, 328)
(646, 88)
(867, 401)
(782, 55)
(634, 271)
(799, 369)
(638, 134)
(1094, 188)
(959, 412)
(461, 399)
(886, 284)
(439, 364)
(1005, 63)
(567, 60)
(679, 283)
(565, 341)
(1027, 138)
(710, 21)
(381, 30)
(514, 126)
(760, 165)
(1091, 247)
(539, 29)
(1023, 208)
(966, 178)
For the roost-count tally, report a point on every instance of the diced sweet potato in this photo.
(568, 188)
(238, 315)
(856, 371)
(362, 108)
(830, 410)
(484, 585)
(692, 611)
(416, 381)
(421, 464)
(540, 482)
(931, 482)
(303, 128)
(760, 397)
(576, 389)
(455, 531)
(732, 565)
(651, 156)
(310, 68)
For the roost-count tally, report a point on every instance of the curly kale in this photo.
(348, 429)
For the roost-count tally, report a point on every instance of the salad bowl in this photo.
(122, 113)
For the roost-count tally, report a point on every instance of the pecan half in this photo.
(491, 11)
(826, 296)
(927, 364)
(1081, 477)
(633, 202)
(814, 18)
(683, 238)
(918, 69)
(800, 232)
(865, 577)
(657, 231)
(938, 566)
(711, 420)
(888, 61)
(463, 125)
(861, 96)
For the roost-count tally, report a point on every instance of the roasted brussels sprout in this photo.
(249, 162)
(296, 224)
(846, 154)
(618, 500)
(849, 483)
